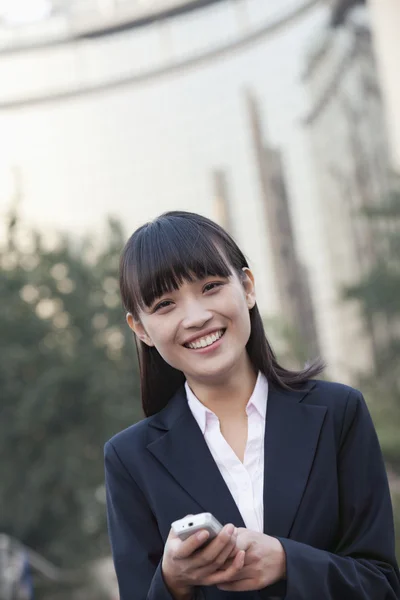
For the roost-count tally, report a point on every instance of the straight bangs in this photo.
(161, 258)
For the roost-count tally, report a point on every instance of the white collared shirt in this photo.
(244, 480)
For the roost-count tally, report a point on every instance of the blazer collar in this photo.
(291, 437)
(257, 400)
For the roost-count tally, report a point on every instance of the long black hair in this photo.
(182, 246)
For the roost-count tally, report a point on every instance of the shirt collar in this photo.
(258, 399)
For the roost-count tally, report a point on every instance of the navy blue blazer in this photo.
(326, 496)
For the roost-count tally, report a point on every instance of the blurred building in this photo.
(385, 24)
(340, 10)
(349, 143)
(222, 210)
(290, 276)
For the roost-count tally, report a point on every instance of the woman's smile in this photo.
(206, 343)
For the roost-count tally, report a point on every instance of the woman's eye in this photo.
(211, 286)
(162, 304)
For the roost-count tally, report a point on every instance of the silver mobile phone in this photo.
(191, 524)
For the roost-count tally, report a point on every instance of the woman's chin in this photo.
(214, 372)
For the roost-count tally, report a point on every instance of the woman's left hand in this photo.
(264, 563)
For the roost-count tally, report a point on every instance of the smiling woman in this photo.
(181, 277)
(291, 466)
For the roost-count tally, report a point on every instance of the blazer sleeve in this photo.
(136, 543)
(363, 563)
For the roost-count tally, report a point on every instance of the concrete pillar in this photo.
(385, 23)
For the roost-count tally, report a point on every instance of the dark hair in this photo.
(182, 246)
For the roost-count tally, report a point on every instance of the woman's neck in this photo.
(229, 396)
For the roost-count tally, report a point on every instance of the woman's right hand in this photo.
(186, 565)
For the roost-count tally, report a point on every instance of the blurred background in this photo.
(280, 119)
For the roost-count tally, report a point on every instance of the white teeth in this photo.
(206, 341)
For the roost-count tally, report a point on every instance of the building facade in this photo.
(291, 277)
(348, 138)
(385, 24)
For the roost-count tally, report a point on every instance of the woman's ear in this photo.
(138, 330)
(249, 287)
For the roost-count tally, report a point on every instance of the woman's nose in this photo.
(196, 315)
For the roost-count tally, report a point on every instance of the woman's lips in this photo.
(206, 349)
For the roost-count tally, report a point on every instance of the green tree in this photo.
(379, 294)
(68, 381)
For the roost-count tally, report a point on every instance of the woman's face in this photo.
(203, 327)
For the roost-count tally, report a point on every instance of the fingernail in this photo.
(202, 536)
(230, 529)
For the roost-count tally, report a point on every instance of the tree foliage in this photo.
(68, 381)
(379, 294)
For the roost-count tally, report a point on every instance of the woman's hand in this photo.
(265, 562)
(186, 565)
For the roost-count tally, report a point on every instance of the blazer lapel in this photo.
(291, 437)
(182, 450)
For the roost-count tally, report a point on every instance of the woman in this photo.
(289, 465)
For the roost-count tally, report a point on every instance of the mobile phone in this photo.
(191, 524)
